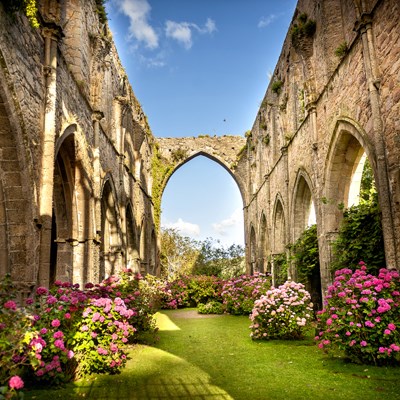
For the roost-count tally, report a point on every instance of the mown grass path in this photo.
(213, 357)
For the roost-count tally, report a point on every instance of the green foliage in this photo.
(28, 7)
(178, 254)
(305, 254)
(341, 50)
(161, 170)
(282, 313)
(14, 323)
(266, 139)
(361, 316)
(101, 11)
(212, 307)
(360, 238)
(179, 154)
(281, 267)
(276, 86)
(304, 28)
(360, 234)
(217, 260)
(203, 289)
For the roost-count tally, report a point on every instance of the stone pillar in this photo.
(364, 26)
(48, 150)
(96, 199)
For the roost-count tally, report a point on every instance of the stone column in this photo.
(97, 116)
(364, 26)
(48, 150)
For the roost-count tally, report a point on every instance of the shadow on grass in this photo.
(152, 374)
(214, 358)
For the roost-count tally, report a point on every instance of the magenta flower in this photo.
(363, 343)
(41, 291)
(387, 332)
(43, 331)
(11, 305)
(392, 327)
(16, 382)
(55, 323)
(58, 335)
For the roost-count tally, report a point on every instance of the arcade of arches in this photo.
(81, 175)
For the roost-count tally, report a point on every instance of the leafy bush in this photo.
(360, 238)
(212, 307)
(361, 316)
(282, 313)
(239, 294)
(204, 289)
(65, 330)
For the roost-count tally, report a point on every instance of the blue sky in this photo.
(200, 67)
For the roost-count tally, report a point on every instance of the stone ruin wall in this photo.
(59, 161)
(307, 136)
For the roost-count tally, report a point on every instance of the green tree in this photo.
(214, 259)
(178, 254)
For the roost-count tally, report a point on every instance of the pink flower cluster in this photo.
(238, 294)
(367, 308)
(282, 312)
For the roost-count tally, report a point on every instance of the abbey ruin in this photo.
(81, 175)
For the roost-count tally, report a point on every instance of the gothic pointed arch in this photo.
(303, 205)
(132, 242)
(72, 221)
(18, 204)
(110, 248)
(279, 227)
(263, 245)
(342, 173)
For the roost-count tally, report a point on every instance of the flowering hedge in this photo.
(238, 294)
(362, 316)
(66, 331)
(282, 313)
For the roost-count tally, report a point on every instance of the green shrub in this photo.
(212, 307)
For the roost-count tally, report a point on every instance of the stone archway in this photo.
(110, 248)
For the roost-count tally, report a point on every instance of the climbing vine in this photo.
(305, 254)
(161, 170)
(360, 235)
(28, 7)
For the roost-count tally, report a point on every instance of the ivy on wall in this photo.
(28, 7)
(360, 234)
(305, 254)
(161, 170)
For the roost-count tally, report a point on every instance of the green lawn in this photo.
(214, 358)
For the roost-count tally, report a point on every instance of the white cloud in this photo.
(179, 31)
(230, 223)
(183, 31)
(265, 21)
(138, 13)
(185, 228)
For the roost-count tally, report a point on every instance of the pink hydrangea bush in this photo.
(99, 342)
(238, 294)
(361, 316)
(14, 323)
(48, 338)
(282, 313)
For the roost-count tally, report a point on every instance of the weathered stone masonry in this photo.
(320, 115)
(75, 151)
(81, 176)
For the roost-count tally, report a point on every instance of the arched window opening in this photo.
(279, 258)
(110, 246)
(202, 201)
(132, 250)
(262, 262)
